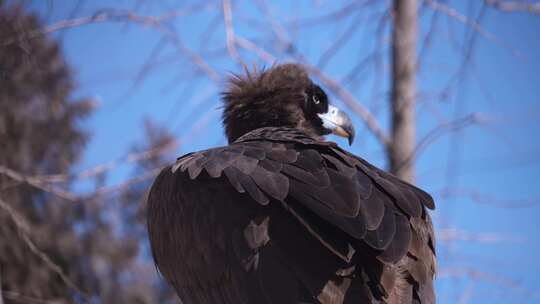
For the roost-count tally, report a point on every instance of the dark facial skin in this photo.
(316, 102)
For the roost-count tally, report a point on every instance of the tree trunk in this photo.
(401, 148)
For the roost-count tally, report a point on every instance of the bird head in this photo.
(282, 96)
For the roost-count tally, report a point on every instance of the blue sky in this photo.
(494, 166)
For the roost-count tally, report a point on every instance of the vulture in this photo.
(282, 216)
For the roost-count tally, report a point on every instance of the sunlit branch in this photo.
(260, 52)
(229, 31)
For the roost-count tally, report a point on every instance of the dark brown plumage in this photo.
(280, 216)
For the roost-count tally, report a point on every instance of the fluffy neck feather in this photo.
(271, 98)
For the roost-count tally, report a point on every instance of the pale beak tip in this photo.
(339, 123)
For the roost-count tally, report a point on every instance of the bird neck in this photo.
(239, 121)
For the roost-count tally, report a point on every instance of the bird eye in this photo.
(316, 100)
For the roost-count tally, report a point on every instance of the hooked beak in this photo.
(338, 122)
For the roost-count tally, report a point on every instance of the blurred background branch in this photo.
(98, 96)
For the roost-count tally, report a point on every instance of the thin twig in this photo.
(454, 234)
(339, 14)
(38, 183)
(340, 41)
(466, 295)
(380, 43)
(156, 22)
(279, 31)
(253, 47)
(515, 6)
(453, 13)
(487, 199)
(45, 182)
(441, 129)
(76, 8)
(123, 185)
(427, 41)
(99, 17)
(477, 275)
(132, 157)
(24, 231)
(147, 66)
(206, 36)
(111, 15)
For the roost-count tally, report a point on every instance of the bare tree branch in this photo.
(515, 6)
(38, 183)
(466, 295)
(340, 41)
(19, 298)
(100, 17)
(148, 175)
(381, 42)
(155, 22)
(76, 8)
(24, 231)
(338, 14)
(477, 275)
(428, 40)
(277, 28)
(453, 13)
(442, 129)
(45, 182)
(133, 157)
(147, 65)
(197, 59)
(455, 234)
(229, 31)
(487, 199)
(253, 47)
